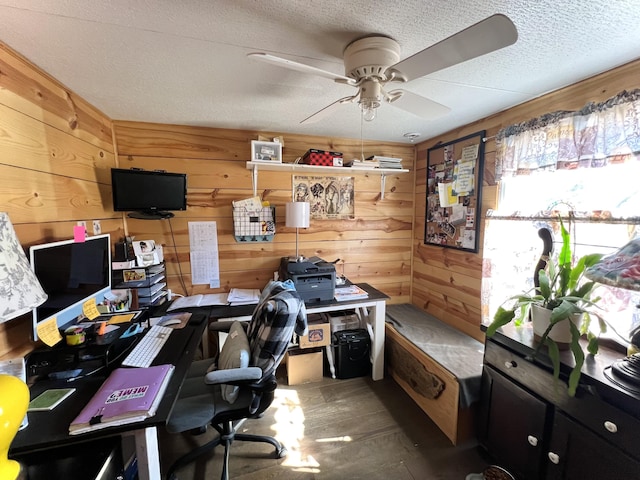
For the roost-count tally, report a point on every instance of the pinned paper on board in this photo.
(447, 197)
(464, 178)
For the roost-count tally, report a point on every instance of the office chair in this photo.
(243, 384)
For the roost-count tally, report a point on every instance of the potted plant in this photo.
(564, 297)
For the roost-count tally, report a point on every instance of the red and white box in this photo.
(322, 158)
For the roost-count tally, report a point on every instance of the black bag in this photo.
(351, 353)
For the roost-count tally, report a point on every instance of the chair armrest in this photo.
(233, 375)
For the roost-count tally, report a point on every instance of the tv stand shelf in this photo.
(302, 168)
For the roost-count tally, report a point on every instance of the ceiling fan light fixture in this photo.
(369, 110)
(370, 95)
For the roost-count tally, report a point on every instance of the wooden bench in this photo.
(438, 366)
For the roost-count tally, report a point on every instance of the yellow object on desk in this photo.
(13, 407)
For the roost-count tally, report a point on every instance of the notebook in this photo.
(128, 395)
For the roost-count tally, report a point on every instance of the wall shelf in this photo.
(302, 169)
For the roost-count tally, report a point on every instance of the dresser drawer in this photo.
(523, 371)
(607, 421)
(617, 427)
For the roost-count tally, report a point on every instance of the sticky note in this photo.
(79, 233)
(48, 332)
(90, 309)
(121, 318)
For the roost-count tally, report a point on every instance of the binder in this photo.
(128, 395)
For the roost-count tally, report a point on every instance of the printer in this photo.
(314, 278)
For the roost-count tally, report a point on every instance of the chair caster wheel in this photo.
(281, 452)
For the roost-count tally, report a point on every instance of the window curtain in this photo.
(596, 136)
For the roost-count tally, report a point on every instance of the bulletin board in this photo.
(454, 188)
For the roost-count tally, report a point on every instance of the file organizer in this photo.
(254, 226)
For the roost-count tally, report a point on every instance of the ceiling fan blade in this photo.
(320, 114)
(420, 106)
(300, 67)
(486, 36)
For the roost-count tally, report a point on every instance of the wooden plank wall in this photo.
(446, 282)
(56, 152)
(375, 247)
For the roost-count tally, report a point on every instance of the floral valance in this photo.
(596, 136)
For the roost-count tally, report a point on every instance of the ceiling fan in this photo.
(373, 62)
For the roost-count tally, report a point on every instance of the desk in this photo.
(49, 430)
(372, 309)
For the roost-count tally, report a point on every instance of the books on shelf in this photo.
(350, 292)
(386, 162)
(364, 164)
(200, 300)
(128, 395)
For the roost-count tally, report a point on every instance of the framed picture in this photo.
(266, 151)
(454, 187)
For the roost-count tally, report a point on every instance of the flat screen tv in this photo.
(148, 194)
(71, 273)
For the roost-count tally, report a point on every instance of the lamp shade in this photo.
(620, 269)
(20, 290)
(297, 214)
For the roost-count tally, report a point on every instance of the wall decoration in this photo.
(330, 197)
(454, 187)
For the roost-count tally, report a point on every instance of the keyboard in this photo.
(148, 348)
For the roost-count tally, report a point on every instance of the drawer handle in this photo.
(611, 427)
(510, 364)
(533, 441)
(554, 457)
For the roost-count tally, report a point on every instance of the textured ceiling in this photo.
(184, 62)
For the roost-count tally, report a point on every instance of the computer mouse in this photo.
(169, 322)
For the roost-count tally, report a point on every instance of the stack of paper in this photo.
(351, 292)
(201, 300)
(243, 296)
(387, 162)
(128, 395)
(365, 164)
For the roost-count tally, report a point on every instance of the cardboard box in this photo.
(319, 331)
(303, 366)
(322, 158)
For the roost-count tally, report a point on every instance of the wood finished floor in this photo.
(336, 429)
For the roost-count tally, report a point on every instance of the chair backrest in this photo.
(278, 314)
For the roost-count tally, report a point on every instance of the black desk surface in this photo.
(51, 429)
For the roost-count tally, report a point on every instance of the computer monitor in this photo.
(70, 273)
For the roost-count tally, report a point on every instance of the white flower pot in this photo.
(560, 333)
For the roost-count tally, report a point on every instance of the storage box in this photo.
(319, 331)
(322, 158)
(303, 366)
(344, 320)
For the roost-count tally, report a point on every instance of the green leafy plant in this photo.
(563, 290)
